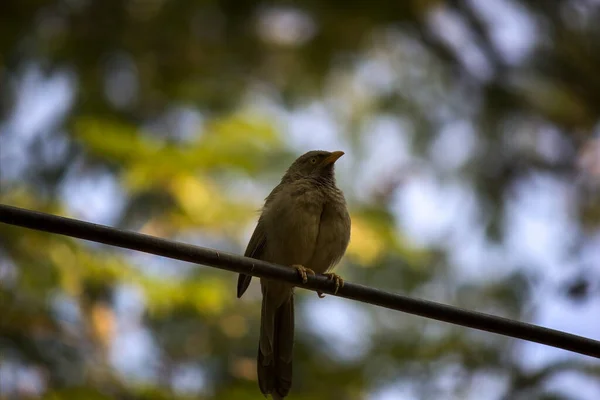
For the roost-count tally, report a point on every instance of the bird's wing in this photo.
(257, 241)
(254, 249)
(256, 246)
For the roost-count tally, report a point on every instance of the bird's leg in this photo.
(303, 271)
(339, 283)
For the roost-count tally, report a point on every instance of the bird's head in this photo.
(316, 164)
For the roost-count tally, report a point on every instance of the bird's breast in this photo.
(333, 236)
(292, 225)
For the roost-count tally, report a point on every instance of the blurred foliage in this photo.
(168, 118)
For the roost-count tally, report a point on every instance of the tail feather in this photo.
(274, 363)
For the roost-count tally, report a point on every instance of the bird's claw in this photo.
(303, 272)
(339, 283)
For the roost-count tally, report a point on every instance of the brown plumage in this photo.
(304, 224)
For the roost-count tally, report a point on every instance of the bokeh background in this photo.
(472, 170)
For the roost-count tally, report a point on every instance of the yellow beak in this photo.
(333, 157)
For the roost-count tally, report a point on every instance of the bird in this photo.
(304, 224)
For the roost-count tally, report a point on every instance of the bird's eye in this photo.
(313, 160)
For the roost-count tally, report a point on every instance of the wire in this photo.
(230, 262)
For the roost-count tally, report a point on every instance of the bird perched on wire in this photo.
(304, 224)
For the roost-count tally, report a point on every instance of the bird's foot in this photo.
(303, 272)
(339, 283)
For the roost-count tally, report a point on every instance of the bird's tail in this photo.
(275, 348)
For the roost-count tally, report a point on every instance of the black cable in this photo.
(195, 254)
